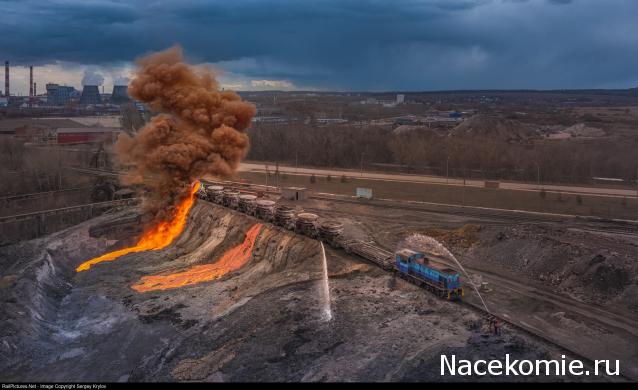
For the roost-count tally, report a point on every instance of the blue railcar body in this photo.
(443, 281)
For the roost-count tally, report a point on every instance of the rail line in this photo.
(622, 226)
(495, 216)
(384, 259)
(34, 195)
(378, 256)
(107, 204)
(613, 227)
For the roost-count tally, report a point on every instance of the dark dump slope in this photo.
(261, 322)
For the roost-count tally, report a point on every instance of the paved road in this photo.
(612, 192)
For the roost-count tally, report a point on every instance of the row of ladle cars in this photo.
(277, 213)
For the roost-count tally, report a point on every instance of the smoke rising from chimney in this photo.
(199, 131)
(120, 80)
(92, 77)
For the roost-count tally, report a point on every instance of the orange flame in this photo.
(158, 237)
(232, 259)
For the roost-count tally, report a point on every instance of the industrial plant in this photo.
(57, 98)
(308, 264)
(383, 196)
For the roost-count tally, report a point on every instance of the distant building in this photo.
(400, 99)
(33, 101)
(442, 120)
(59, 95)
(38, 130)
(120, 94)
(139, 106)
(364, 193)
(295, 193)
(90, 95)
(326, 121)
(83, 135)
(269, 119)
(406, 120)
(4, 102)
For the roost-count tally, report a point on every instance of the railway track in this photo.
(592, 311)
(386, 203)
(495, 221)
(384, 259)
(44, 213)
(493, 216)
(35, 195)
(598, 315)
(504, 216)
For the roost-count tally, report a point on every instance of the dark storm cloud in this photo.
(560, 1)
(360, 45)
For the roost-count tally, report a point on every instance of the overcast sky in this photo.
(333, 44)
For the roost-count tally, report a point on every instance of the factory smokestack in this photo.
(120, 94)
(199, 132)
(35, 91)
(31, 81)
(6, 79)
(90, 95)
(91, 81)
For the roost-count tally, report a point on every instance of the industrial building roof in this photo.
(12, 124)
(88, 129)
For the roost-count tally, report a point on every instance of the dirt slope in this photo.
(496, 128)
(261, 322)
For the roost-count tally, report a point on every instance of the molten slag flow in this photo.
(232, 260)
(158, 236)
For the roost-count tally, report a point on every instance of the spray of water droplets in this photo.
(327, 310)
(427, 244)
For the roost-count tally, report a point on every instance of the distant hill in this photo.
(493, 127)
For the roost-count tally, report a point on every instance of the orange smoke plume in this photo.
(199, 131)
(232, 260)
(157, 237)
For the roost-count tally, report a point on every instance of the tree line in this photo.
(429, 152)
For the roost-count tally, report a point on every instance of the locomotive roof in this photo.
(444, 269)
(406, 252)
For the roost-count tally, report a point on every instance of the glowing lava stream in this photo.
(232, 259)
(158, 237)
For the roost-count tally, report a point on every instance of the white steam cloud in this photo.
(92, 77)
(120, 80)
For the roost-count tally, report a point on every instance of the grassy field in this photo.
(607, 207)
(355, 172)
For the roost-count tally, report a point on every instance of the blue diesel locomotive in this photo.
(442, 281)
